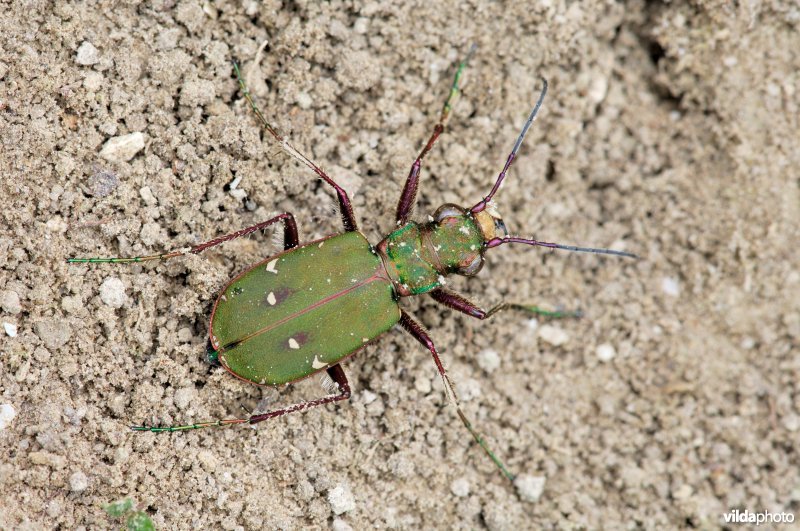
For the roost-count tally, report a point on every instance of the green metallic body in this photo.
(418, 257)
(310, 307)
(303, 310)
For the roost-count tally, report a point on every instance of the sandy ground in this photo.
(669, 130)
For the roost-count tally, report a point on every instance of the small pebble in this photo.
(87, 54)
(147, 194)
(54, 333)
(9, 302)
(488, 360)
(207, 460)
(341, 500)
(460, 487)
(112, 292)
(304, 101)
(368, 396)
(92, 81)
(469, 389)
(11, 329)
(553, 335)
(185, 334)
(184, 397)
(530, 488)
(102, 183)
(78, 482)
(606, 352)
(122, 148)
(682, 492)
(54, 461)
(670, 286)
(791, 422)
(341, 525)
(7, 414)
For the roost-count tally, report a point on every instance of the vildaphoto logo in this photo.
(764, 517)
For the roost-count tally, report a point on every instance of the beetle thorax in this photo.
(418, 257)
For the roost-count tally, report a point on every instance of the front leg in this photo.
(409, 195)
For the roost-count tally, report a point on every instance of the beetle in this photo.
(271, 325)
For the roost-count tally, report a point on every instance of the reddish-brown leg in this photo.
(335, 372)
(290, 236)
(290, 239)
(346, 208)
(460, 303)
(337, 375)
(421, 335)
(409, 195)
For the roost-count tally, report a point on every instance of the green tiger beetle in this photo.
(281, 320)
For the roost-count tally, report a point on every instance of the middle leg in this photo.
(457, 302)
(421, 335)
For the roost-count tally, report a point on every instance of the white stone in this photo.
(11, 329)
(112, 292)
(606, 352)
(123, 148)
(553, 335)
(791, 422)
(670, 286)
(530, 488)
(9, 302)
(340, 525)
(488, 360)
(341, 499)
(460, 487)
(682, 492)
(78, 482)
(7, 414)
(87, 54)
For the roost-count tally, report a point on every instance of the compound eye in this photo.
(448, 210)
(500, 228)
(472, 268)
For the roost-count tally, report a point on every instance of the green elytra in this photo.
(280, 320)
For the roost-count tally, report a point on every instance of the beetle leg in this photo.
(409, 195)
(460, 303)
(335, 372)
(290, 239)
(348, 217)
(421, 335)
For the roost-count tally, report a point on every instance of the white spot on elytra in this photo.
(223, 298)
(271, 299)
(464, 230)
(364, 339)
(321, 244)
(271, 266)
(317, 364)
(441, 280)
(293, 343)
